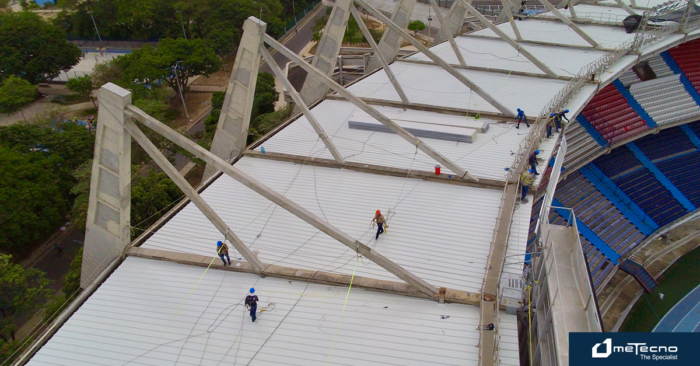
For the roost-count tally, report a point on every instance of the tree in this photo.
(174, 62)
(81, 192)
(416, 26)
(150, 194)
(31, 202)
(36, 175)
(33, 48)
(82, 86)
(15, 94)
(22, 291)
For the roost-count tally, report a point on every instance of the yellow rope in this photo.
(343, 312)
(188, 296)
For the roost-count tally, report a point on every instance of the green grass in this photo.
(675, 283)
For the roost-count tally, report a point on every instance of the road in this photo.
(297, 42)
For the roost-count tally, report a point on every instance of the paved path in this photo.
(298, 41)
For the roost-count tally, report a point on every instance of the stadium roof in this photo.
(439, 231)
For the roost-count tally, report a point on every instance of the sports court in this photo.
(684, 316)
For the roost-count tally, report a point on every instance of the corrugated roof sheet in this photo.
(440, 232)
(486, 157)
(127, 321)
(497, 54)
(431, 85)
(554, 31)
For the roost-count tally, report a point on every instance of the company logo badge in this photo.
(608, 348)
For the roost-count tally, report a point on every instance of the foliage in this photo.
(81, 192)
(15, 94)
(156, 108)
(71, 281)
(376, 34)
(106, 72)
(31, 202)
(33, 49)
(150, 66)
(22, 291)
(210, 123)
(83, 86)
(416, 26)
(266, 122)
(36, 166)
(320, 24)
(54, 307)
(218, 22)
(265, 95)
(150, 194)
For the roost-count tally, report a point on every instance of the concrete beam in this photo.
(494, 268)
(454, 20)
(371, 111)
(307, 275)
(327, 51)
(570, 3)
(190, 192)
(284, 202)
(107, 229)
(624, 6)
(390, 42)
(301, 105)
(571, 24)
(509, 14)
(376, 169)
(448, 35)
(378, 55)
(508, 40)
(231, 134)
(488, 69)
(463, 79)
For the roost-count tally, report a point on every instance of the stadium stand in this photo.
(686, 57)
(665, 99)
(611, 115)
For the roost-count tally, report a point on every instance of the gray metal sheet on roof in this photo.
(497, 54)
(486, 157)
(150, 312)
(440, 232)
(432, 85)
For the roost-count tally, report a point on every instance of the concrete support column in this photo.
(453, 21)
(109, 210)
(391, 39)
(327, 51)
(232, 130)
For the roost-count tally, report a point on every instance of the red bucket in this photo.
(437, 169)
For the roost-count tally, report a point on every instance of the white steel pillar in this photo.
(109, 209)
(231, 135)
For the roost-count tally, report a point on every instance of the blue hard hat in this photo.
(537, 151)
(218, 243)
(252, 290)
(529, 170)
(518, 109)
(566, 111)
(552, 114)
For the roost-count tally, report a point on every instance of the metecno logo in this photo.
(633, 348)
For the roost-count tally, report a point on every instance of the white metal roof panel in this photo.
(648, 4)
(432, 85)
(554, 31)
(612, 14)
(486, 157)
(440, 232)
(150, 312)
(497, 54)
(508, 343)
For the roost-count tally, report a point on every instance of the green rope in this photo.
(188, 297)
(357, 259)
